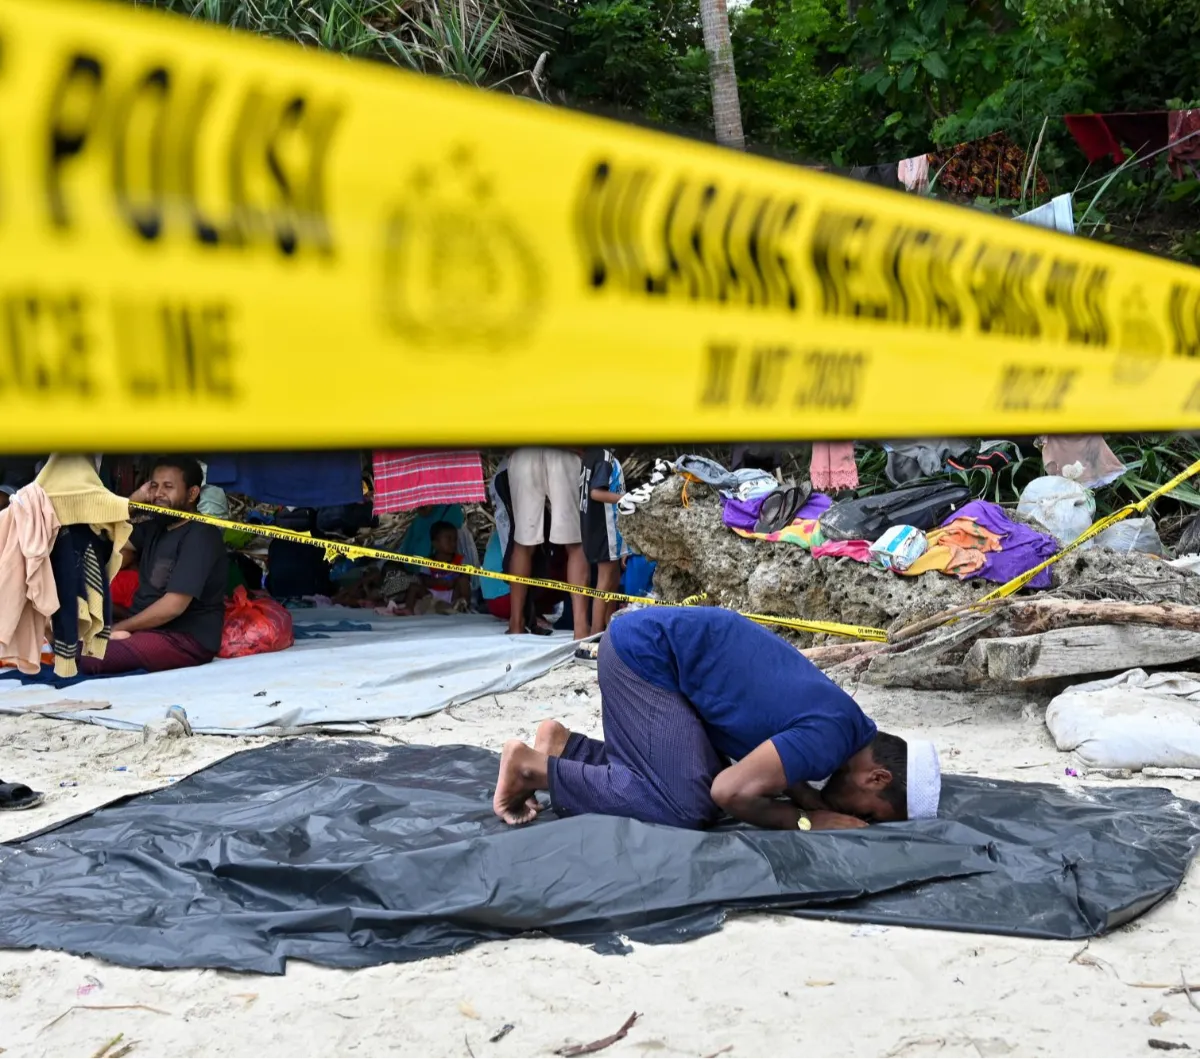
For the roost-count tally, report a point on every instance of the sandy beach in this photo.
(764, 985)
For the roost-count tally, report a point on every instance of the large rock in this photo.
(696, 553)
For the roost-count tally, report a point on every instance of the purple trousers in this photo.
(656, 763)
(153, 650)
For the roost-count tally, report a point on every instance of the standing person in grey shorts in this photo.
(536, 477)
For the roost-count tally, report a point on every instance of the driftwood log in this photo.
(833, 654)
(1019, 641)
(1022, 641)
(930, 661)
(1042, 615)
(1078, 651)
(1023, 616)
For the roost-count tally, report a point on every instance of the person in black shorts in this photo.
(601, 486)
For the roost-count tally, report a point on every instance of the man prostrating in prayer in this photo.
(705, 711)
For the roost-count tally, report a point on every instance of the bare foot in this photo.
(522, 774)
(551, 738)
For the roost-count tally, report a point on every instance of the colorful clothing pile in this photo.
(993, 168)
(860, 551)
(804, 533)
(1021, 548)
(744, 514)
(406, 479)
(959, 548)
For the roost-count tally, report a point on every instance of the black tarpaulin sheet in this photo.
(350, 854)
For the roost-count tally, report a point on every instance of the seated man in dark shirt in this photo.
(179, 609)
(688, 690)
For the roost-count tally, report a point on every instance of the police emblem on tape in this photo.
(456, 270)
(1142, 344)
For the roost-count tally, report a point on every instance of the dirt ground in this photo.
(765, 985)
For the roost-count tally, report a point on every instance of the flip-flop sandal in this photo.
(779, 509)
(634, 498)
(17, 796)
(628, 504)
(588, 653)
(662, 469)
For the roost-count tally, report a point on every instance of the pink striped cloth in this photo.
(406, 479)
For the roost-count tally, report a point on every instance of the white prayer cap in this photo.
(924, 780)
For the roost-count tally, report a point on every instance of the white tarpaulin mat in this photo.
(1133, 720)
(399, 667)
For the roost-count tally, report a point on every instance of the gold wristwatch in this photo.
(804, 823)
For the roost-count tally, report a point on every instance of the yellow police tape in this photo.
(333, 549)
(208, 239)
(1022, 580)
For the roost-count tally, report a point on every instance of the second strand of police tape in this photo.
(333, 549)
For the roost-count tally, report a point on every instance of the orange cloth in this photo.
(957, 548)
(28, 595)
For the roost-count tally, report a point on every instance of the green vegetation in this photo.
(841, 82)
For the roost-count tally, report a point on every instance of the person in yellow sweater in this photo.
(94, 526)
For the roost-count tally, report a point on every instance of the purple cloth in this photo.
(743, 514)
(1022, 548)
(815, 506)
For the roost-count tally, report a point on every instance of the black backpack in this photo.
(866, 518)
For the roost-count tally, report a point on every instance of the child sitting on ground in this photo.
(440, 591)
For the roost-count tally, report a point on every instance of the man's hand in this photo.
(160, 612)
(824, 820)
(119, 634)
(805, 797)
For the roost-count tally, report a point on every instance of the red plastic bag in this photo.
(123, 588)
(254, 626)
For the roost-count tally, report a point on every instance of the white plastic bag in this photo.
(1061, 507)
(1132, 535)
(1130, 721)
(899, 548)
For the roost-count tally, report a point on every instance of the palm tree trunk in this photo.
(727, 111)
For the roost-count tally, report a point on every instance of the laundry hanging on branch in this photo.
(406, 479)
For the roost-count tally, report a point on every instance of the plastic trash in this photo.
(899, 548)
(254, 625)
(1063, 508)
(1132, 535)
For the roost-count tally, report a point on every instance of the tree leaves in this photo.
(935, 65)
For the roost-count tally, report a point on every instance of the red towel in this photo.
(1094, 137)
(1099, 134)
(406, 479)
